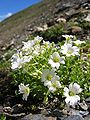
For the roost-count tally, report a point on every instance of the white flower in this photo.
(46, 42)
(38, 38)
(69, 50)
(28, 45)
(71, 94)
(36, 50)
(68, 37)
(55, 60)
(78, 42)
(24, 89)
(50, 79)
(18, 60)
(55, 84)
(26, 59)
(47, 75)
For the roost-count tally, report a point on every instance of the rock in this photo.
(88, 100)
(45, 112)
(1, 110)
(76, 29)
(88, 103)
(72, 111)
(45, 27)
(13, 116)
(87, 117)
(7, 109)
(50, 23)
(71, 12)
(83, 105)
(87, 18)
(57, 113)
(17, 108)
(84, 5)
(84, 113)
(37, 117)
(62, 7)
(39, 29)
(61, 20)
(74, 117)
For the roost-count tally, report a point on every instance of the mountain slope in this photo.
(16, 27)
(17, 23)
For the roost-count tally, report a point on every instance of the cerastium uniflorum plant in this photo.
(46, 70)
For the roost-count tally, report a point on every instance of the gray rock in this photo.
(84, 113)
(87, 117)
(1, 110)
(88, 100)
(37, 117)
(83, 105)
(88, 103)
(57, 113)
(74, 117)
(17, 109)
(87, 18)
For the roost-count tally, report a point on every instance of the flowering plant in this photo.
(48, 69)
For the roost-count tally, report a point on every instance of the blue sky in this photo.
(9, 7)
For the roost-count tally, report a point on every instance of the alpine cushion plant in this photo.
(48, 68)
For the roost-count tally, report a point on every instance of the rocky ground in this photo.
(70, 17)
(77, 13)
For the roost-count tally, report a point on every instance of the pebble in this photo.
(76, 29)
(83, 105)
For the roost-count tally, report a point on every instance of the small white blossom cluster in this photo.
(69, 49)
(18, 59)
(30, 49)
(49, 75)
(71, 94)
(50, 79)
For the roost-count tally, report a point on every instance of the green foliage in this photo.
(85, 24)
(75, 70)
(2, 117)
(4, 65)
(54, 31)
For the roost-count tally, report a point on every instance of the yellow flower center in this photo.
(54, 85)
(70, 51)
(49, 77)
(71, 93)
(27, 90)
(56, 59)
